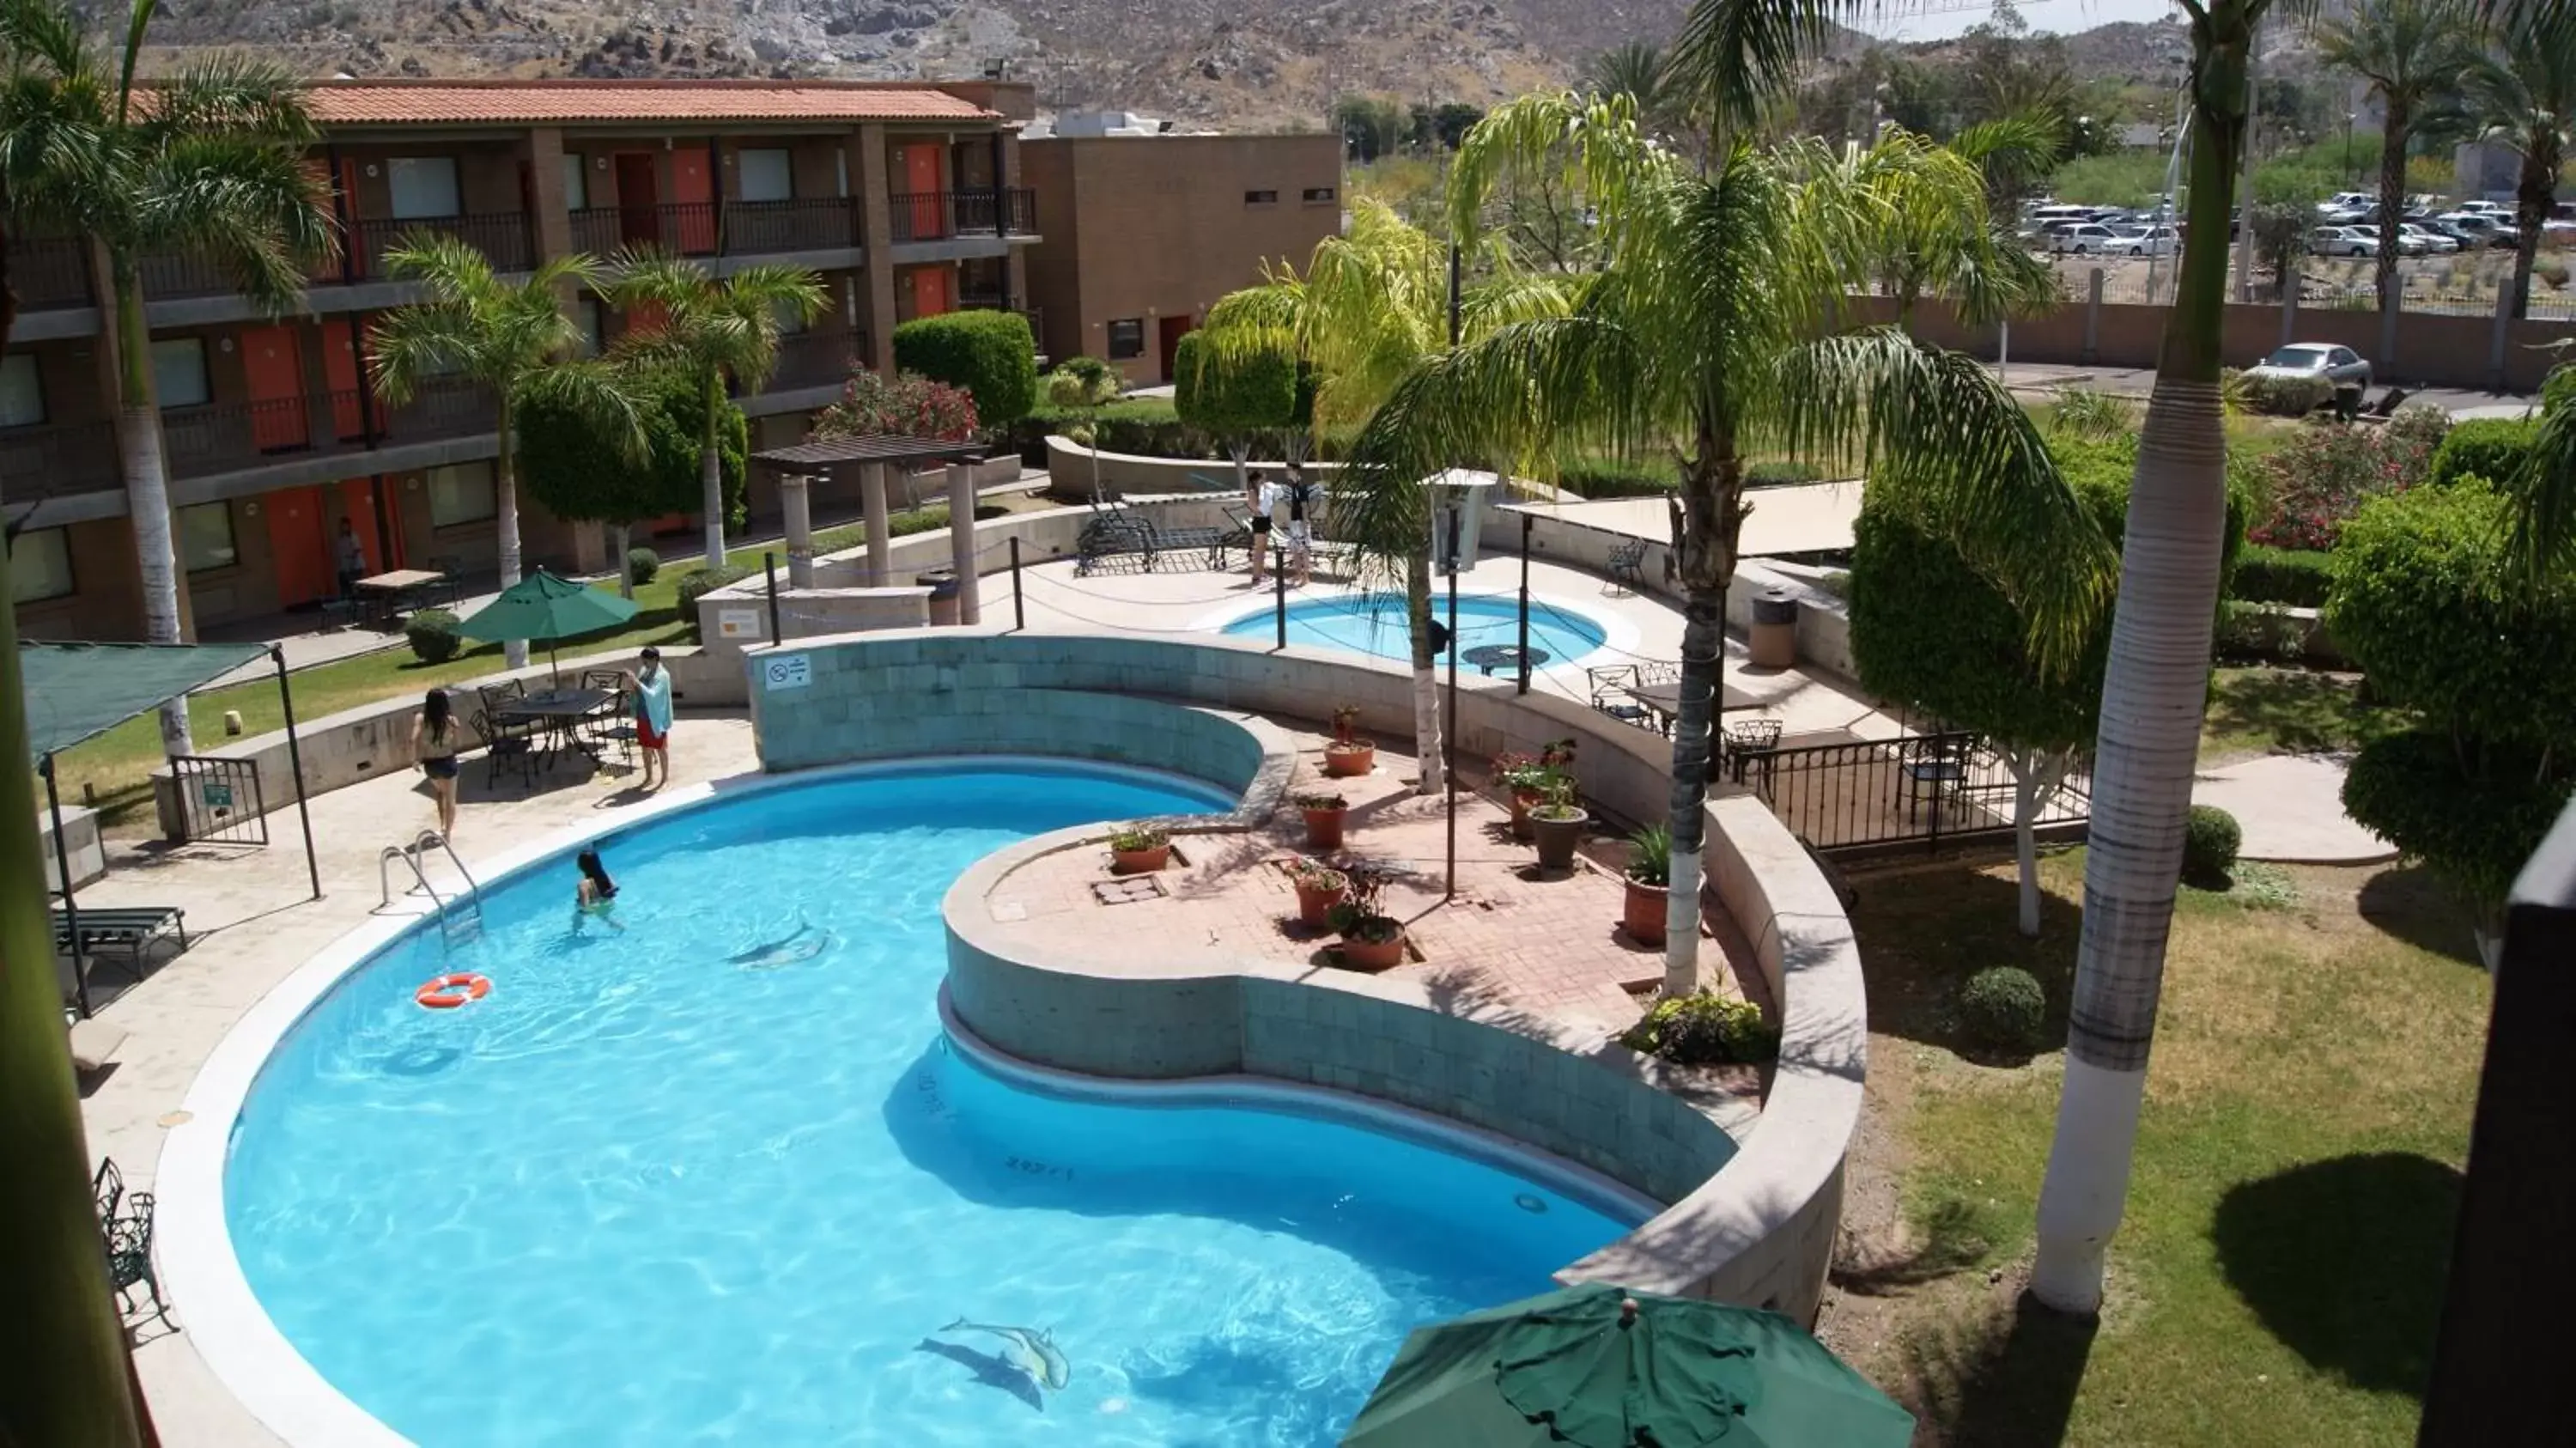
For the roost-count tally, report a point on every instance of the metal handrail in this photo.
(384, 882)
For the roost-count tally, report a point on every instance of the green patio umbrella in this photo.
(1602, 1368)
(544, 609)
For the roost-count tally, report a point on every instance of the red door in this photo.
(921, 178)
(357, 242)
(693, 189)
(1173, 329)
(358, 505)
(297, 550)
(930, 290)
(273, 370)
(639, 216)
(340, 369)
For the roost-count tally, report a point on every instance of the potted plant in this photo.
(1348, 754)
(1558, 819)
(1323, 819)
(1527, 777)
(1140, 851)
(1320, 889)
(1372, 940)
(1650, 875)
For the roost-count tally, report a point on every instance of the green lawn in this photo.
(2277, 1279)
(2260, 711)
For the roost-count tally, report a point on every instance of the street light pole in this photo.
(2348, 117)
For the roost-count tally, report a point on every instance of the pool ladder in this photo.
(452, 925)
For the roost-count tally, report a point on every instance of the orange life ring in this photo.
(439, 994)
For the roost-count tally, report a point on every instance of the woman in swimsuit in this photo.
(434, 738)
(596, 894)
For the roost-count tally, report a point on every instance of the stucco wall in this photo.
(1069, 472)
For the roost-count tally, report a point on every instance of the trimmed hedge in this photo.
(2003, 1006)
(1618, 480)
(2473, 811)
(2295, 576)
(990, 354)
(642, 564)
(2284, 396)
(703, 582)
(2493, 448)
(2210, 840)
(433, 636)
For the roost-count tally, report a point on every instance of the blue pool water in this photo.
(1374, 624)
(642, 1195)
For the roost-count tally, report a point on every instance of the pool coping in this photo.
(249, 1355)
(1619, 636)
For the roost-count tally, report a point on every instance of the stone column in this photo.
(961, 540)
(867, 168)
(2092, 352)
(880, 526)
(550, 227)
(795, 501)
(2503, 332)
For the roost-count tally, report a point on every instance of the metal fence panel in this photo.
(220, 801)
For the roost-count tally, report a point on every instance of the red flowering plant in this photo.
(910, 405)
(2323, 477)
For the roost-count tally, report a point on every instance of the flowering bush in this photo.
(2324, 477)
(909, 406)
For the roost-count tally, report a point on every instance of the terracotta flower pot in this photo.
(1324, 828)
(1557, 839)
(1644, 916)
(1315, 903)
(1372, 955)
(1521, 802)
(1142, 862)
(1349, 759)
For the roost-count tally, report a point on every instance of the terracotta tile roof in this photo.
(378, 103)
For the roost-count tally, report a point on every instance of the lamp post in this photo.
(2348, 118)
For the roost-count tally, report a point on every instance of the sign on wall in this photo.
(738, 623)
(787, 671)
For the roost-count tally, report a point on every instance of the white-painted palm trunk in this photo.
(147, 487)
(1702, 676)
(2152, 700)
(505, 524)
(2037, 776)
(710, 475)
(620, 546)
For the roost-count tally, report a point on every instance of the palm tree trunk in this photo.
(63, 1374)
(1711, 501)
(710, 474)
(147, 482)
(2533, 192)
(2026, 793)
(505, 521)
(2392, 201)
(620, 545)
(2152, 698)
(1431, 777)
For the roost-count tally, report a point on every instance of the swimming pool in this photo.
(643, 1194)
(1373, 623)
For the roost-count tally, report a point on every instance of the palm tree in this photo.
(2411, 52)
(514, 338)
(715, 330)
(1925, 243)
(1371, 306)
(1638, 71)
(2526, 99)
(207, 166)
(1711, 333)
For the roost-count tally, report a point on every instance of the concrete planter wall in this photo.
(1069, 472)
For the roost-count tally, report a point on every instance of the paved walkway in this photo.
(2046, 377)
(2290, 807)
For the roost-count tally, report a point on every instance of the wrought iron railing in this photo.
(506, 238)
(1876, 792)
(751, 228)
(57, 460)
(938, 215)
(49, 271)
(812, 359)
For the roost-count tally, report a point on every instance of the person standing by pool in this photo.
(596, 895)
(1256, 496)
(434, 740)
(352, 557)
(1299, 495)
(651, 685)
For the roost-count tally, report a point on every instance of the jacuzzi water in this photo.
(642, 1195)
(1374, 624)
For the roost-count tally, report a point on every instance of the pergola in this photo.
(874, 457)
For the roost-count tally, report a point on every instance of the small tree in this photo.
(1084, 385)
(1235, 395)
(990, 354)
(910, 405)
(578, 468)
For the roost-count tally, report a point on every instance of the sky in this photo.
(1937, 19)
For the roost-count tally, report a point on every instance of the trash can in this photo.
(942, 583)
(1775, 628)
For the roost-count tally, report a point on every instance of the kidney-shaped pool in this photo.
(719, 1176)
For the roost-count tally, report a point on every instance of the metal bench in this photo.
(128, 931)
(1628, 565)
(1130, 542)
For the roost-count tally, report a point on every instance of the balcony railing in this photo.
(48, 271)
(824, 223)
(938, 215)
(506, 238)
(702, 228)
(57, 460)
(442, 408)
(815, 359)
(227, 437)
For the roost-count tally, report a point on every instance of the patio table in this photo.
(390, 593)
(1664, 701)
(560, 712)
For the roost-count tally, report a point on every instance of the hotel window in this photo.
(764, 175)
(40, 566)
(460, 494)
(1126, 339)
(576, 183)
(206, 537)
(1321, 195)
(423, 187)
(1260, 198)
(22, 391)
(179, 372)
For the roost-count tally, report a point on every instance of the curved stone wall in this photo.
(1751, 1219)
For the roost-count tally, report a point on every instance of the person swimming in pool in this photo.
(596, 895)
(797, 946)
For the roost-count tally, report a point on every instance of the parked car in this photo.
(2342, 241)
(2149, 241)
(2479, 228)
(2084, 238)
(2428, 240)
(2342, 366)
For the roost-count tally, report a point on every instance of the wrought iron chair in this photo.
(508, 743)
(1741, 742)
(614, 724)
(1610, 685)
(125, 1229)
(1628, 565)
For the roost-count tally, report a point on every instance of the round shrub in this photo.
(2473, 810)
(432, 635)
(2490, 447)
(990, 354)
(2295, 576)
(2210, 839)
(2003, 1007)
(641, 565)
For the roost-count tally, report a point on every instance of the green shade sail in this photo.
(1581, 1366)
(80, 691)
(542, 608)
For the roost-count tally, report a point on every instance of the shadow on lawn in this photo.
(1924, 931)
(2412, 904)
(2006, 1381)
(2344, 1259)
